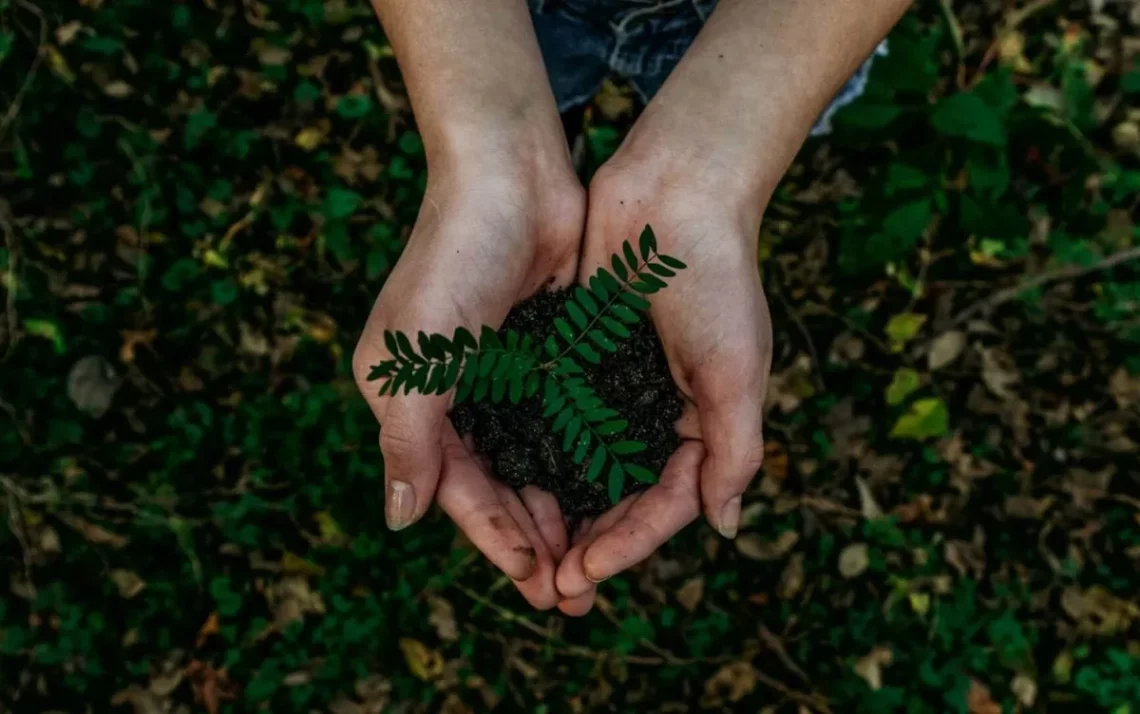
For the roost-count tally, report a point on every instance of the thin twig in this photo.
(506, 614)
(14, 109)
(664, 657)
(16, 525)
(1017, 17)
(773, 643)
(10, 300)
(1011, 23)
(1066, 273)
(956, 36)
(817, 373)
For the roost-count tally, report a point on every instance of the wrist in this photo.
(680, 167)
(526, 147)
(519, 177)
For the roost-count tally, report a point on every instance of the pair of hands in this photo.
(495, 229)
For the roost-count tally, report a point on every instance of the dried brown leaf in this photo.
(754, 547)
(854, 560)
(691, 593)
(945, 349)
(870, 666)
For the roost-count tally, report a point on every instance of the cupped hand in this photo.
(714, 323)
(487, 237)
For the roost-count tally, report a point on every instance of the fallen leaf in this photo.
(854, 560)
(269, 54)
(141, 700)
(789, 387)
(293, 563)
(903, 328)
(291, 599)
(343, 705)
(91, 384)
(128, 583)
(442, 618)
(211, 686)
(919, 602)
(1026, 507)
(310, 137)
(903, 384)
(1011, 49)
(374, 690)
(92, 533)
(613, 101)
(331, 533)
(117, 89)
(732, 682)
(1098, 611)
(751, 514)
(210, 627)
(165, 683)
(1063, 667)
(945, 349)
(65, 33)
(775, 464)
(424, 662)
(979, 701)
(868, 506)
(870, 666)
(754, 547)
(1044, 95)
(131, 341)
(48, 330)
(999, 372)
(58, 64)
(1124, 388)
(925, 419)
(1025, 689)
(691, 593)
(792, 579)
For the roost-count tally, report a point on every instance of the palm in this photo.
(473, 254)
(713, 322)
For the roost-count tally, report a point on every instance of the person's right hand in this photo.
(490, 233)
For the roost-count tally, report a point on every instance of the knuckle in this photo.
(399, 440)
(454, 451)
(751, 457)
(363, 359)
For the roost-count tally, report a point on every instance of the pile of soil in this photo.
(518, 442)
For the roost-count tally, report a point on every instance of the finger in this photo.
(731, 423)
(571, 578)
(469, 497)
(410, 436)
(538, 589)
(661, 511)
(579, 606)
(543, 507)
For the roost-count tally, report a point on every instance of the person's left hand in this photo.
(713, 321)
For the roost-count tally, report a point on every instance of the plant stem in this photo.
(601, 311)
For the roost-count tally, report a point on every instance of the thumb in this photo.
(731, 425)
(410, 440)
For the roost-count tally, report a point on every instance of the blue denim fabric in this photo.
(641, 41)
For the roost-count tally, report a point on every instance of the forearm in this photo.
(746, 94)
(474, 75)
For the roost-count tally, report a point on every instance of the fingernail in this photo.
(730, 518)
(401, 504)
(602, 580)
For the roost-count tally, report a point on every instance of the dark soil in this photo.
(517, 441)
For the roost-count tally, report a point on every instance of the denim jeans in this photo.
(640, 41)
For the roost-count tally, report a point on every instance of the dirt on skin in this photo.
(517, 441)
